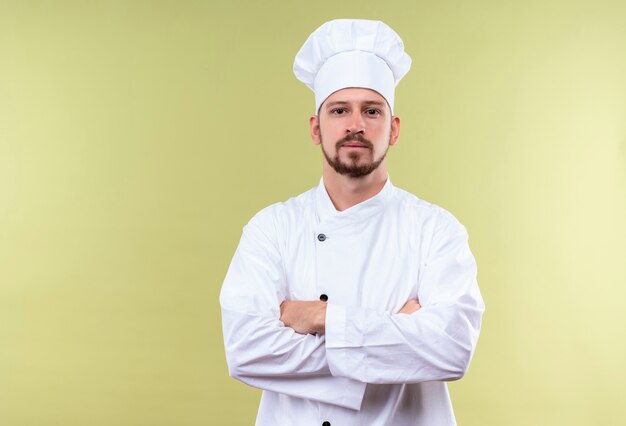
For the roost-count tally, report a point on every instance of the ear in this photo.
(395, 130)
(314, 124)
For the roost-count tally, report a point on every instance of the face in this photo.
(355, 128)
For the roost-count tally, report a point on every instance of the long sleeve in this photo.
(434, 343)
(260, 350)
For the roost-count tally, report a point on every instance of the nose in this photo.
(355, 124)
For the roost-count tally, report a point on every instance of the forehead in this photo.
(356, 95)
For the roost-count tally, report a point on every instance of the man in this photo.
(354, 302)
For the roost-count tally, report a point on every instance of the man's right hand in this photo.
(413, 305)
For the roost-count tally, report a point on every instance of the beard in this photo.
(355, 167)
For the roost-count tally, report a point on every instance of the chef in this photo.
(354, 302)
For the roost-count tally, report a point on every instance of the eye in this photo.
(372, 112)
(338, 111)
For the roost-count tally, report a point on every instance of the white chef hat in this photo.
(352, 53)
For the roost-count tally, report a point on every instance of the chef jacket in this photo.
(373, 366)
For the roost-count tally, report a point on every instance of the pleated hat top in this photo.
(352, 53)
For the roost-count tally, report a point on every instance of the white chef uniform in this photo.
(373, 366)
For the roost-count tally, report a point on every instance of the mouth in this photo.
(353, 145)
(353, 142)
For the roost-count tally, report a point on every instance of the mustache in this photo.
(354, 137)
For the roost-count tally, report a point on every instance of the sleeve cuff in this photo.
(335, 326)
(340, 336)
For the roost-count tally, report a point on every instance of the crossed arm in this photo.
(284, 345)
(309, 317)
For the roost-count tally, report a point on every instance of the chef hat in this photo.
(352, 53)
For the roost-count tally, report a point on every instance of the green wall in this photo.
(138, 137)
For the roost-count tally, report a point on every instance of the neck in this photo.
(346, 191)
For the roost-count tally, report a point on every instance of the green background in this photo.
(138, 137)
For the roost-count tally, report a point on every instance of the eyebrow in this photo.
(335, 103)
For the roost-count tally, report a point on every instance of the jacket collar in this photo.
(326, 210)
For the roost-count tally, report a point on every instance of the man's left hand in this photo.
(305, 317)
